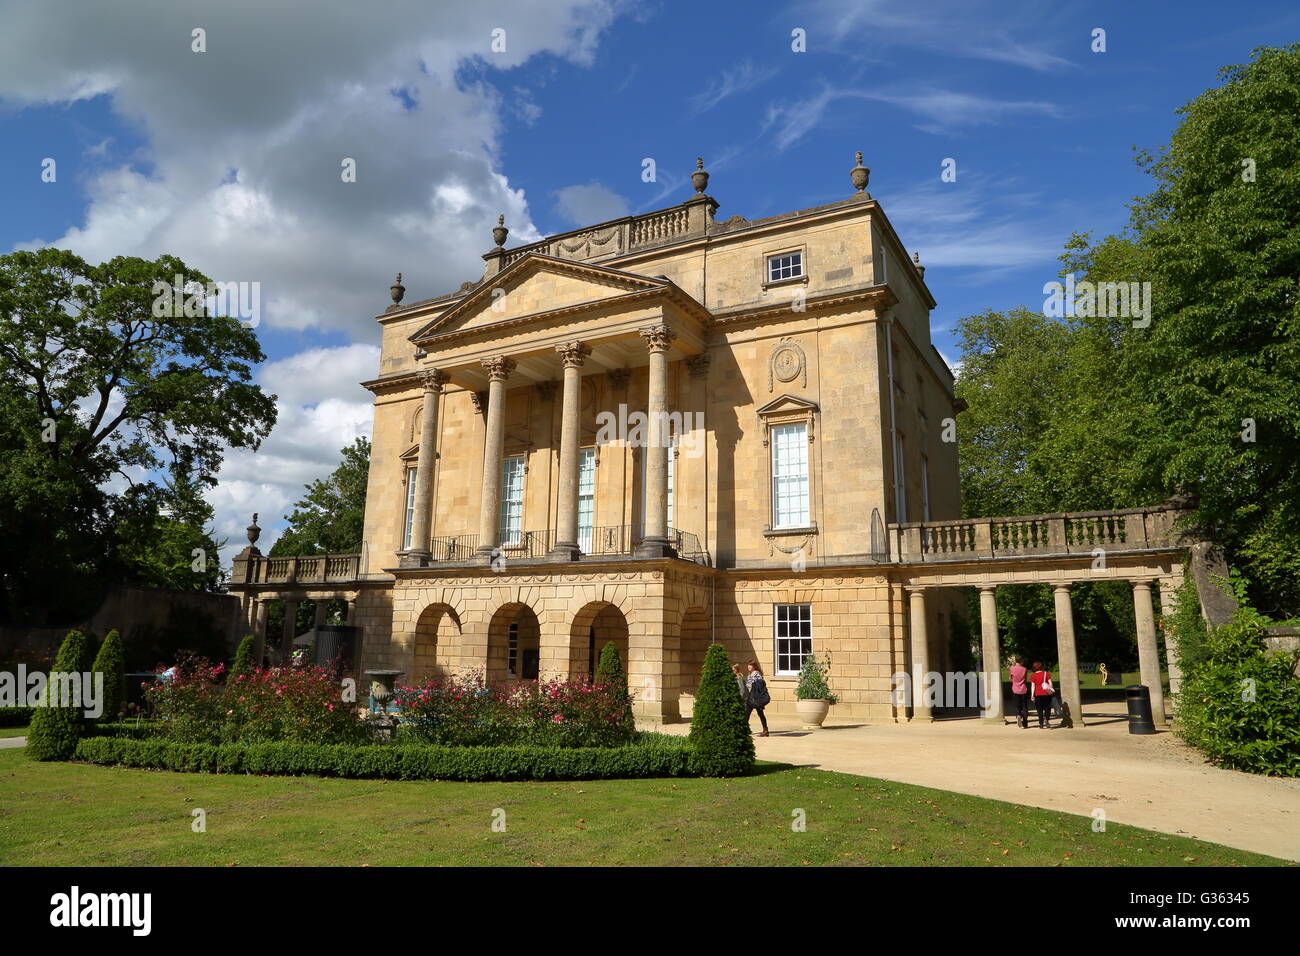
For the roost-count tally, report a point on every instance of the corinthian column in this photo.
(498, 368)
(418, 556)
(655, 543)
(566, 545)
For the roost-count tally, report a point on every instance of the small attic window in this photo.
(786, 265)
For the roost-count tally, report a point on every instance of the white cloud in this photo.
(583, 205)
(871, 29)
(988, 225)
(741, 78)
(240, 174)
(943, 110)
(321, 409)
(283, 94)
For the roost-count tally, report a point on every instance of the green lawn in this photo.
(13, 731)
(71, 814)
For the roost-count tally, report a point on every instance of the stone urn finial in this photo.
(700, 178)
(860, 174)
(397, 290)
(916, 261)
(254, 532)
(500, 232)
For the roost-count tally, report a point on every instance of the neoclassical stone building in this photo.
(670, 429)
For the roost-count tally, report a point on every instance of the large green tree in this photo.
(1207, 397)
(1105, 411)
(114, 413)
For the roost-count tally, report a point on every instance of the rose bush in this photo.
(464, 711)
(279, 703)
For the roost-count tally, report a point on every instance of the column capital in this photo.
(573, 353)
(915, 588)
(1058, 588)
(498, 367)
(657, 337)
(1142, 583)
(698, 365)
(987, 588)
(432, 379)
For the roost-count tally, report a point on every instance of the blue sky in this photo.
(229, 158)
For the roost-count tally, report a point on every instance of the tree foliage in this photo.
(1098, 412)
(112, 422)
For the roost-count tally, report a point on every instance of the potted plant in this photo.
(812, 694)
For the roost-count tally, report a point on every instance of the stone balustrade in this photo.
(618, 236)
(298, 569)
(1133, 529)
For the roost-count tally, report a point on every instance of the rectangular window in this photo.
(586, 497)
(788, 265)
(900, 480)
(793, 629)
(672, 469)
(925, 488)
(410, 509)
(790, 475)
(512, 650)
(512, 499)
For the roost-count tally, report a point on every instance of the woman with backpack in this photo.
(1041, 682)
(756, 695)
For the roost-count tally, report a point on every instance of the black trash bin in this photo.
(1138, 697)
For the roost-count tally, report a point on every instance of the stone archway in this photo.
(514, 645)
(436, 645)
(594, 626)
(694, 646)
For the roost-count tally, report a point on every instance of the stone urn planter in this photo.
(812, 693)
(812, 712)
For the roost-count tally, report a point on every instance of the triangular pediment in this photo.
(535, 285)
(784, 404)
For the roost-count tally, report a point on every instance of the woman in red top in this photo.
(1041, 682)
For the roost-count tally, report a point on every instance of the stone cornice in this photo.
(876, 296)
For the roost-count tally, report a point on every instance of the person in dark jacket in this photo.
(756, 695)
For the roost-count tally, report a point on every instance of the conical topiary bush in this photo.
(610, 671)
(111, 662)
(55, 731)
(243, 657)
(720, 739)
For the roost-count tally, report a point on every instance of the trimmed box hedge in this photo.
(648, 757)
(16, 716)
